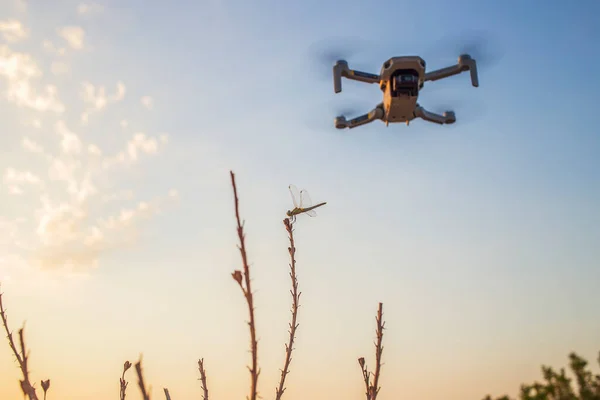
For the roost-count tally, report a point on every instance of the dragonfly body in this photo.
(299, 210)
(302, 203)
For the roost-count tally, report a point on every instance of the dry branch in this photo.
(167, 395)
(141, 384)
(203, 378)
(372, 389)
(122, 382)
(289, 347)
(247, 291)
(22, 356)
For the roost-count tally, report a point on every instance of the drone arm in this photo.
(376, 113)
(341, 69)
(465, 63)
(447, 118)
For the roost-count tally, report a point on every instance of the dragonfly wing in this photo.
(311, 213)
(305, 201)
(295, 195)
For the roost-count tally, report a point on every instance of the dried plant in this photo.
(247, 291)
(123, 383)
(141, 384)
(372, 387)
(242, 277)
(289, 347)
(22, 356)
(45, 386)
(203, 378)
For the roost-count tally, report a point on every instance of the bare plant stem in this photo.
(141, 384)
(247, 290)
(203, 378)
(167, 395)
(366, 375)
(122, 382)
(289, 347)
(21, 355)
(378, 352)
(372, 390)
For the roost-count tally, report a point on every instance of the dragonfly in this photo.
(302, 203)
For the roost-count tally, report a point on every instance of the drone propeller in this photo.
(466, 111)
(349, 112)
(321, 116)
(478, 43)
(326, 52)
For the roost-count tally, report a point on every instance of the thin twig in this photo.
(123, 383)
(22, 355)
(167, 395)
(373, 389)
(289, 347)
(247, 291)
(138, 370)
(203, 378)
(378, 352)
(366, 374)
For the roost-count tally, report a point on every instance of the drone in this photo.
(400, 80)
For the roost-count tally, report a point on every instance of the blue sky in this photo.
(480, 238)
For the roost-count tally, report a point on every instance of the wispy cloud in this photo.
(13, 30)
(96, 99)
(147, 102)
(69, 178)
(59, 68)
(89, 8)
(51, 48)
(21, 5)
(73, 35)
(21, 71)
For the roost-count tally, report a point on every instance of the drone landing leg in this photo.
(447, 118)
(376, 113)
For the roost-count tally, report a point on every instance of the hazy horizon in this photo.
(122, 121)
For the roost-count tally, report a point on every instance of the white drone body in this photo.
(400, 80)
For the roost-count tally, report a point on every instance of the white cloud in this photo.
(73, 35)
(31, 146)
(59, 68)
(13, 176)
(80, 212)
(96, 99)
(147, 102)
(76, 223)
(89, 8)
(94, 150)
(13, 30)
(20, 72)
(70, 142)
(49, 47)
(21, 6)
(140, 142)
(14, 190)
